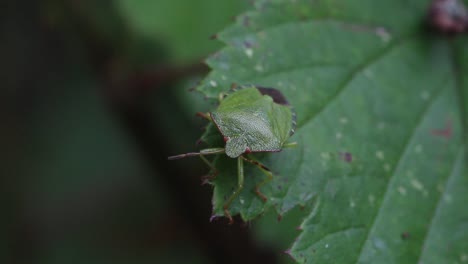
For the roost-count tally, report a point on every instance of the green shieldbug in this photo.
(250, 119)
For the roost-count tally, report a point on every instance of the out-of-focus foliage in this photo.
(185, 27)
(75, 186)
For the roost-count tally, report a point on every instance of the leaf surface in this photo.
(381, 106)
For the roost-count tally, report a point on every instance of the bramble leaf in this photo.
(381, 105)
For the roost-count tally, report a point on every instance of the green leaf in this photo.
(381, 150)
(183, 26)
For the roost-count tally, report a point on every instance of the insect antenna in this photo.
(202, 152)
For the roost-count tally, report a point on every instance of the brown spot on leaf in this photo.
(446, 132)
(346, 156)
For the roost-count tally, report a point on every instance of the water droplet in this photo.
(425, 95)
(325, 155)
(379, 243)
(259, 68)
(402, 190)
(368, 73)
(417, 184)
(381, 126)
(249, 53)
(418, 149)
(464, 258)
(387, 167)
(213, 83)
(383, 34)
(380, 155)
(448, 198)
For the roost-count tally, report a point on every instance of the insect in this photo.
(250, 119)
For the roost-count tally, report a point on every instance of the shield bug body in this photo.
(250, 119)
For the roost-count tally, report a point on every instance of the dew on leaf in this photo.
(380, 155)
(338, 135)
(448, 198)
(464, 258)
(387, 167)
(379, 243)
(381, 126)
(425, 95)
(418, 149)
(249, 53)
(402, 190)
(259, 68)
(383, 34)
(417, 184)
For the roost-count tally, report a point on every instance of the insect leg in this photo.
(213, 171)
(290, 145)
(266, 171)
(202, 152)
(240, 185)
(204, 115)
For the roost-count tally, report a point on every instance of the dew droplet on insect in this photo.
(402, 190)
(213, 83)
(380, 155)
(249, 53)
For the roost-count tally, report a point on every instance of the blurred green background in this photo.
(95, 96)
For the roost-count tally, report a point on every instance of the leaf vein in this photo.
(403, 152)
(436, 209)
(358, 69)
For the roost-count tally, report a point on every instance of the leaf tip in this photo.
(288, 253)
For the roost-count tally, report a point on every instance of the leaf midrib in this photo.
(436, 209)
(402, 154)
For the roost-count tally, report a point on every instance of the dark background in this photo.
(95, 95)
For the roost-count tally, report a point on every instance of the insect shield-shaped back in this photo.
(254, 119)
